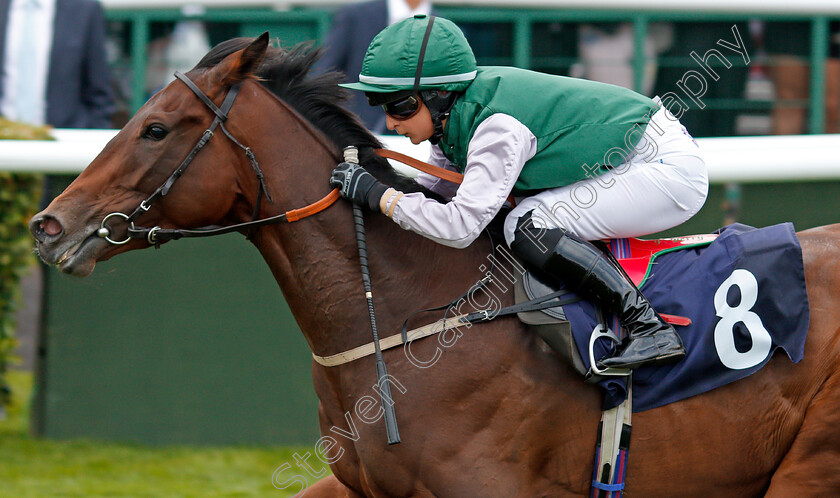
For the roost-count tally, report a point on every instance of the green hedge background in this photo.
(20, 195)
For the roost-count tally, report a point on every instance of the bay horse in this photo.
(498, 414)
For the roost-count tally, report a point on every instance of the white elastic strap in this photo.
(426, 80)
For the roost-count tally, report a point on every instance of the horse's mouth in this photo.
(80, 259)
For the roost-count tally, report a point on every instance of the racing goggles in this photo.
(403, 108)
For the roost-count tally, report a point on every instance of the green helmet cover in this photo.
(390, 64)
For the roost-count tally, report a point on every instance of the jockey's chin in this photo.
(416, 140)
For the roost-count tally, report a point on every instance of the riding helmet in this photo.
(418, 56)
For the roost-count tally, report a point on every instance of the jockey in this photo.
(583, 160)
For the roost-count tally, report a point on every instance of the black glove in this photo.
(357, 185)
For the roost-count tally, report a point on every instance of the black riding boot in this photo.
(587, 271)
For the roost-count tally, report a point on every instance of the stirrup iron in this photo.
(598, 332)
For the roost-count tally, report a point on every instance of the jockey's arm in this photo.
(497, 152)
(444, 188)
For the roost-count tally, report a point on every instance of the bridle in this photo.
(157, 235)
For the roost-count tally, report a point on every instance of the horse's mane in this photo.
(318, 98)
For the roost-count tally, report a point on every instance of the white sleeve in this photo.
(496, 154)
(437, 185)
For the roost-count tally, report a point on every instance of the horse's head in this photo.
(293, 120)
(140, 160)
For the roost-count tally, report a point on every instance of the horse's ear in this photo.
(248, 60)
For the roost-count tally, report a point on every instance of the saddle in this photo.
(550, 324)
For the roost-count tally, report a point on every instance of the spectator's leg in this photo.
(832, 96)
(791, 78)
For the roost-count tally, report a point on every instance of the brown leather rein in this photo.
(329, 199)
(158, 235)
(436, 171)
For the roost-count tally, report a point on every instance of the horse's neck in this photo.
(316, 263)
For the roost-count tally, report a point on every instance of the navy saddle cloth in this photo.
(745, 295)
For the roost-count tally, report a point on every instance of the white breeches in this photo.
(662, 184)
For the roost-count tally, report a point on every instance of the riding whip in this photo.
(351, 155)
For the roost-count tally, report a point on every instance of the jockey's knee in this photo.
(532, 243)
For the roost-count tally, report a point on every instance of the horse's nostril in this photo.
(51, 227)
(43, 227)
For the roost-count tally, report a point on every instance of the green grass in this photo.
(31, 467)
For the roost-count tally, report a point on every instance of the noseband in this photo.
(157, 235)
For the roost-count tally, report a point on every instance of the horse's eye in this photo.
(155, 132)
